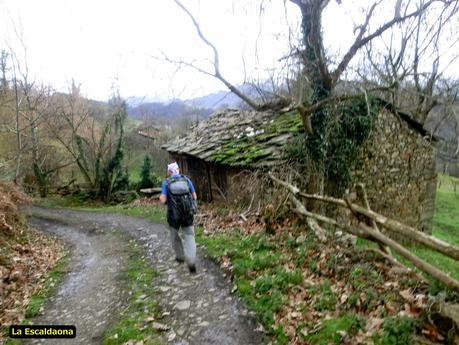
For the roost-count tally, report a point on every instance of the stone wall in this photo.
(397, 166)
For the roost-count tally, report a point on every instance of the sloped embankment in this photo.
(26, 257)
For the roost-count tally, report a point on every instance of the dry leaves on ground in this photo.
(26, 259)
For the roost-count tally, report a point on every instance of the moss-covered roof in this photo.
(237, 137)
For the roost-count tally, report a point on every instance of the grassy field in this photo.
(446, 221)
(445, 225)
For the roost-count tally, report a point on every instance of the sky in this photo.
(125, 44)
(108, 44)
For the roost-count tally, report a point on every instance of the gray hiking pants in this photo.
(186, 249)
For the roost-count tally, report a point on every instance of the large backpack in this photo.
(182, 206)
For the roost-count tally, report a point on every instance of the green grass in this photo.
(135, 166)
(327, 299)
(38, 300)
(397, 330)
(139, 276)
(331, 331)
(446, 219)
(259, 275)
(132, 324)
(73, 201)
(156, 213)
(250, 254)
(445, 227)
(262, 281)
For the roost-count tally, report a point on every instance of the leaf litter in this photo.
(26, 258)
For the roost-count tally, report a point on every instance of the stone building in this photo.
(396, 162)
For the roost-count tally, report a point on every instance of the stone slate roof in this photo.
(150, 132)
(248, 138)
(236, 137)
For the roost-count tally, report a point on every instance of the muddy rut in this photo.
(200, 307)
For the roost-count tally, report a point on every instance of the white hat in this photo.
(173, 168)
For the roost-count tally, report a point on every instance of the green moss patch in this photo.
(246, 150)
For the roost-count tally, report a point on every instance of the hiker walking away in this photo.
(180, 196)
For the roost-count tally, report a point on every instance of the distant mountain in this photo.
(134, 101)
(221, 99)
(224, 99)
(167, 111)
(199, 107)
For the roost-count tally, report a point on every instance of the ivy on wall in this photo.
(332, 148)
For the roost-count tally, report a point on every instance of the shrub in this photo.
(397, 330)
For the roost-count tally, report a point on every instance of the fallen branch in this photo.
(302, 211)
(415, 235)
(250, 205)
(295, 190)
(375, 235)
(155, 190)
(391, 224)
(221, 193)
(367, 232)
(419, 263)
(318, 231)
(394, 262)
(362, 194)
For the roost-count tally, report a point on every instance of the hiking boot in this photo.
(192, 268)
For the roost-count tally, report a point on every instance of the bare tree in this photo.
(316, 67)
(94, 141)
(3, 70)
(35, 110)
(410, 69)
(27, 107)
(71, 124)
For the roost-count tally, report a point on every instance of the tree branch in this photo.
(217, 74)
(360, 41)
(391, 224)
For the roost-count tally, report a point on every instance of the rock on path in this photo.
(199, 309)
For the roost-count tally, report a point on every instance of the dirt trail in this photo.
(92, 292)
(201, 308)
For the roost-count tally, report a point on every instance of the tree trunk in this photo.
(317, 73)
(42, 180)
(18, 132)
